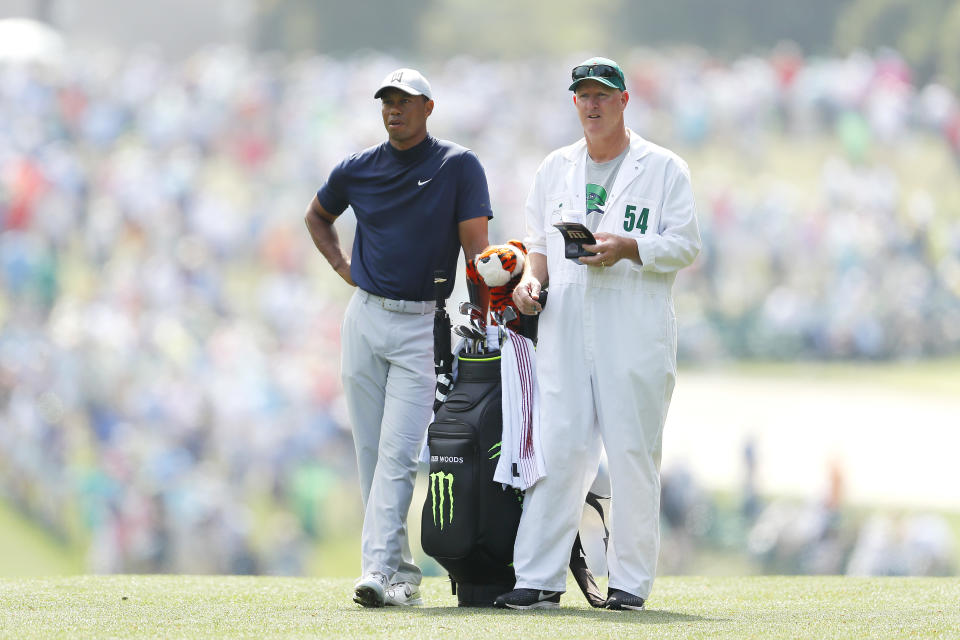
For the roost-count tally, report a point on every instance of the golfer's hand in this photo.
(344, 272)
(527, 295)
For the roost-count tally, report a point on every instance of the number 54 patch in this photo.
(633, 220)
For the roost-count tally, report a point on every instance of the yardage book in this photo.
(575, 235)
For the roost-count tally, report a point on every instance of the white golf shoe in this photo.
(369, 589)
(403, 594)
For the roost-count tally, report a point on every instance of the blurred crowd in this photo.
(844, 257)
(819, 535)
(169, 337)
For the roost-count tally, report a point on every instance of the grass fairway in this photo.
(241, 607)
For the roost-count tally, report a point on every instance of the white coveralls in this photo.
(606, 361)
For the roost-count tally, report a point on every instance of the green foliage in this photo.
(731, 27)
(506, 28)
(241, 607)
(925, 33)
(949, 34)
(332, 26)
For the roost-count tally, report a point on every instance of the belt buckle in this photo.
(391, 305)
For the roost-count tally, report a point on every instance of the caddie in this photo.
(606, 358)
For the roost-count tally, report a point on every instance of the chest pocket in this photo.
(634, 215)
(562, 207)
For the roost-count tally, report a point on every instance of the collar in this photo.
(638, 148)
(412, 154)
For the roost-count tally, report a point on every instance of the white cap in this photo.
(407, 80)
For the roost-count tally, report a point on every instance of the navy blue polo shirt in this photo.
(408, 205)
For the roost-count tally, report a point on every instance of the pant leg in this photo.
(407, 409)
(635, 383)
(553, 507)
(363, 371)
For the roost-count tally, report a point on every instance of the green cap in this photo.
(603, 70)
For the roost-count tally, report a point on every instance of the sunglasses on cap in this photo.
(595, 71)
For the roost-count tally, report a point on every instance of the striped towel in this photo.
(521, 459)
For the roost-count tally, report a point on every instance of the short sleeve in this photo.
(333, 195)
(473, 197)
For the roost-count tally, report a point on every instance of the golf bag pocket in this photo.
(449, 522)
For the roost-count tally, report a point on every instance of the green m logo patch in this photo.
(440, 481)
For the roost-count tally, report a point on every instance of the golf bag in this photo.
(469, 522)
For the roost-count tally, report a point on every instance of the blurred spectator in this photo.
(919, 545)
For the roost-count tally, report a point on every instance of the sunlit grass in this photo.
(694, 607)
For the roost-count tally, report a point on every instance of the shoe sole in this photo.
(535, 605)
(627, 607)
(368, 597)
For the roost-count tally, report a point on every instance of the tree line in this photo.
(926, 33)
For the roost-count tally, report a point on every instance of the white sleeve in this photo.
(536, 239)
(678, 242)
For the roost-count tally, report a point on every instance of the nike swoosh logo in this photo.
(547, 594)
(420, 183)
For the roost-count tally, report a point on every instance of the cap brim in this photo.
(401, 87)
(607, 81)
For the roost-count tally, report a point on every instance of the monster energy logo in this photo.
(495, 450)
(437, 482)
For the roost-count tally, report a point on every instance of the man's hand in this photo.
(320, 225)
(526, 296)
(344, 272)
(610, 249)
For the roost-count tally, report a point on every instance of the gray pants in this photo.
(389, 383)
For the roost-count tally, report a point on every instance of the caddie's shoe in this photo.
(369, 589)
(618, 599)
(402, 594)
(528, 599)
